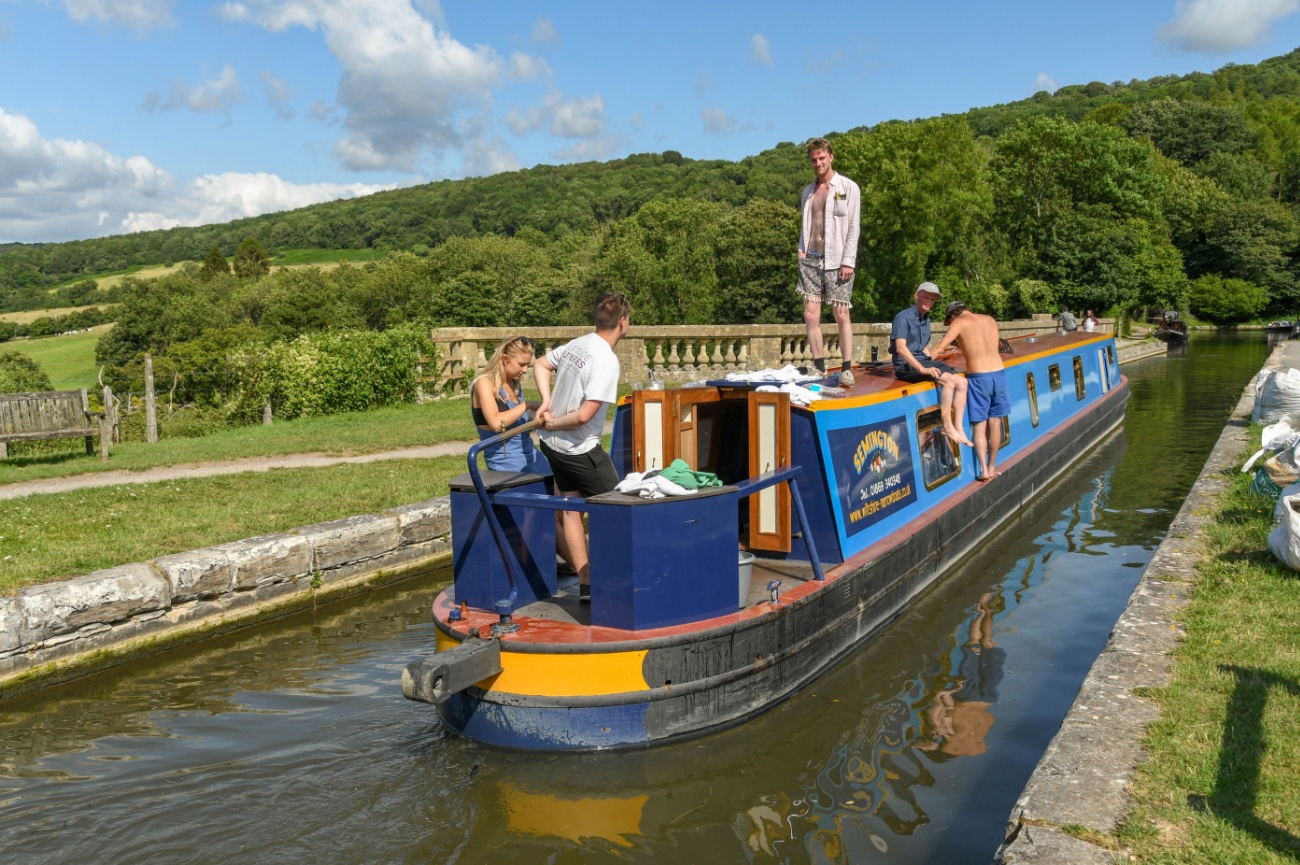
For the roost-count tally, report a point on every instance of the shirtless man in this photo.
(987, 398)
(908, 337)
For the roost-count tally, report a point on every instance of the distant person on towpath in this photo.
(828, 252)
(908, 337)
(1068, 321)
(586, 374)
(977, 337)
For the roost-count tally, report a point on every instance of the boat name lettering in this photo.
(874, 440)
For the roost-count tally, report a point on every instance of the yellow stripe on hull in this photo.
(571, 674)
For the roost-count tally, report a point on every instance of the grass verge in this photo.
(1219, 784)
(50, 537)
(360, 432)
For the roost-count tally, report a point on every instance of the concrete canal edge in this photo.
(59, 631)
(1077, 795)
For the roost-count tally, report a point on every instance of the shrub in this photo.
(22, 374)
(329, 373)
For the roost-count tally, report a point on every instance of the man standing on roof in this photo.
(573, 416)
(977, 337)
(908, 337)
(828, 252)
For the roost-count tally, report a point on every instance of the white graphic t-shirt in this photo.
(585, 369)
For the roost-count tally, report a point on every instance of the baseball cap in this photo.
(954, 309)
(929, 288)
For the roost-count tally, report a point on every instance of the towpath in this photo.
(222, 467)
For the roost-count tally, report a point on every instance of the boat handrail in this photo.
(787, 476)
(503, 607)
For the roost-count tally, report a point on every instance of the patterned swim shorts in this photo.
(815, 283)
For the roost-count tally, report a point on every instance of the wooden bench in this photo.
(55, 414)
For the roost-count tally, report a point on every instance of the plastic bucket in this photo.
(746, 576)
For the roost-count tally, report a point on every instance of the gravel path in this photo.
(224, 467)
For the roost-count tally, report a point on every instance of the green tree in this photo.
(214, 264)
(251, 260)
(1218, 299)
(927, 204)
(1191, 131)
(1079, 205)
(22, 374)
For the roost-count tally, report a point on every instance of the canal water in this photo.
(291, 742)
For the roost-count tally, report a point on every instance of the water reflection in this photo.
(290, 741)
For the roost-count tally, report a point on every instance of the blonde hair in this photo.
(513, 347)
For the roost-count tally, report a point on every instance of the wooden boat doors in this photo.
(701, 426)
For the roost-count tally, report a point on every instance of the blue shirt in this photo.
(914, 327)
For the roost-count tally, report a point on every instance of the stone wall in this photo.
(55, 631)
(680, 353)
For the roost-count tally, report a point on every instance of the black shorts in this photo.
(588, 474)
(909, 373)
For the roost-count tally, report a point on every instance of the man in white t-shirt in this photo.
(586, 374)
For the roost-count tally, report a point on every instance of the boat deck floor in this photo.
(565, 606)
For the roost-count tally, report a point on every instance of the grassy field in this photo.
(69, 360)
(1224, 758)
(30, 315)
(361, 432)
(50, 537)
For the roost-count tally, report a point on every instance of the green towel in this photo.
(680, 473)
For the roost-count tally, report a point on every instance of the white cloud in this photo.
(759, 51)
(55, 189)
(524, 121)
(219, 94)
(636, 121)
(1044, 82)
(578, 117)
(216, 198)
(544, 32)
(1219, 26)
(141, 15)
(717, 120)
(525, 67)
(407, 85)
(592, 148)
(279, 95)
(703, 83)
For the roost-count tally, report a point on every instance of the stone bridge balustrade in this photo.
(682, 353)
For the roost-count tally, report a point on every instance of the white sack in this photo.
(1284, 540)
(1277, 396)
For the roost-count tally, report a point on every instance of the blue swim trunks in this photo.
(986, 395)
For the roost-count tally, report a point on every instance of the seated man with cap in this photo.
(908, 338)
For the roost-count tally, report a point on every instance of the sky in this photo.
(131, 115)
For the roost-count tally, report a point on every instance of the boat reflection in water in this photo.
(851, 797)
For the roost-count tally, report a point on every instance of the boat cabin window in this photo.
(1006, 431)
(1033, 398)
(1079, 390)
(1110, 355)
(940, 460)
(1054, 376)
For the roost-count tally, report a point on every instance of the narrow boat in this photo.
(711, 607)
(1172, 329)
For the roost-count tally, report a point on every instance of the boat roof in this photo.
(876, 382)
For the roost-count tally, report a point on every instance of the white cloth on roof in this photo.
(786, 373)
(798, 395)
(655, 486)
